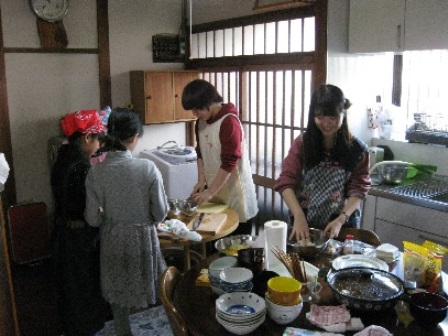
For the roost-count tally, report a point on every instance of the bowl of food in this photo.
(365, 289)
(428, 309)
(230, 245)
(308, 249)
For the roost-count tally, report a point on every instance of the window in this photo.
(275, 37)
(266, 65)
(424, 88)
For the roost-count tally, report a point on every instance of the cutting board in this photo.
(209, 207)
(212, 223)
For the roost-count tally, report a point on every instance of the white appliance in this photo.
(376, 155)
(178, 167)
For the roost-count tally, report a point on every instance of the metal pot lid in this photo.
(365, 284)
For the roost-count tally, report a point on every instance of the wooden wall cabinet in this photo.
(397, 25)
(157, 95)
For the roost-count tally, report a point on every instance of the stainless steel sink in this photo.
(427, 189)
(440, 198)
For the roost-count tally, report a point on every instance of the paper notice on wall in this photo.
(4, 171)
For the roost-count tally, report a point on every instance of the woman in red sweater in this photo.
(224, 173)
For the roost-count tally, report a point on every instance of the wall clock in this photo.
(49, 10)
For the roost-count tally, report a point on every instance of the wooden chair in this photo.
(366, 236)
(167, 286)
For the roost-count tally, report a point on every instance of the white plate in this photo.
(358, 260)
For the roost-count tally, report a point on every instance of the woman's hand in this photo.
(300, 230)
(333, 228)
(201, 197)
(198, 187)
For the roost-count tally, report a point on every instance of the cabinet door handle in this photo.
(399, 36)
(148, 97)
(176, 96)
(432, 239)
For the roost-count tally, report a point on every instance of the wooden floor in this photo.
(35, 299)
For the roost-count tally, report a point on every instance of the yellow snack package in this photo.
(415, 263)
(436, 252)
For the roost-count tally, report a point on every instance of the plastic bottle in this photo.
(348, 244)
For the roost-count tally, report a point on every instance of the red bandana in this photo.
(84, 121)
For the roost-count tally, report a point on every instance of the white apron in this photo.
(239, 190)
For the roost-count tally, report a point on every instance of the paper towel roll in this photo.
(275, 232)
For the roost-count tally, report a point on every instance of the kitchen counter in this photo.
(396, 192)
(408, 212)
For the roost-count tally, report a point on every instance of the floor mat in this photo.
(150, 322)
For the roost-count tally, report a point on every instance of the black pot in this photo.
(365, 288)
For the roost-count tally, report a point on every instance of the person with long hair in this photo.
(126, 200)
(75, 250)
(224, 172)
(325, 175)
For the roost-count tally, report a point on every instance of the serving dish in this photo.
(365, 289)
(358, 260)
(230, 245)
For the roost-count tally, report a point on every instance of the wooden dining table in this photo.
(197, 306)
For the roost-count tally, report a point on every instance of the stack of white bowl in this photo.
(214, 271)
(240, 312)
(236, 279)
(283, 299)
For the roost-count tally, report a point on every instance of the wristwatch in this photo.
(347, 217)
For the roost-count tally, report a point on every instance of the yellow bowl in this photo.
(298, 300)
(284, 290)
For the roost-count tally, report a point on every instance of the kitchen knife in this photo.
(198, 220)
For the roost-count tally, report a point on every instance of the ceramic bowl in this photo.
(241, 319)
(284, 290)
(428, 309)
(216, 266)
(241, 328)
(240, 304)
(236, 279)
(240, 288)
(283, 314)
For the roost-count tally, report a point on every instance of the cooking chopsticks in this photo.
(292, 262)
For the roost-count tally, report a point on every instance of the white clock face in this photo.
(50, 10)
